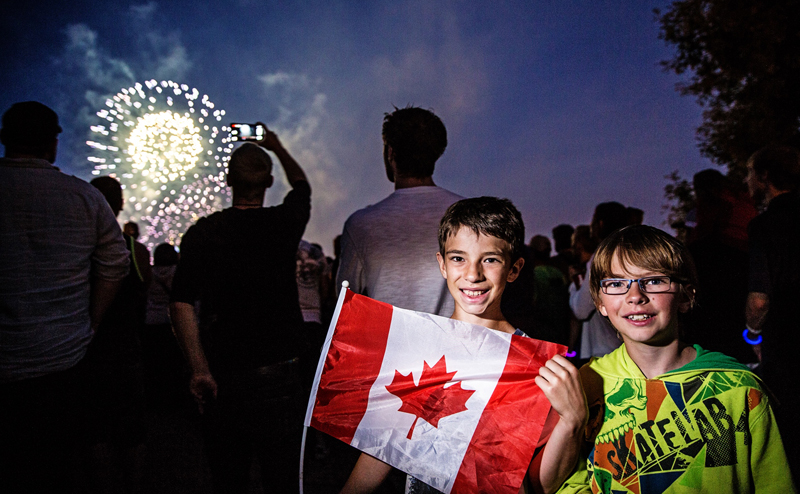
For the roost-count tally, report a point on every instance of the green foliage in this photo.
(744, 59)
(680, 196)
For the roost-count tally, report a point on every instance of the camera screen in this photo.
(246, 132)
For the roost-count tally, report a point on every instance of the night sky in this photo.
(554, 105)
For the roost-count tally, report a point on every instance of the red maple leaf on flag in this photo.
(429, 400)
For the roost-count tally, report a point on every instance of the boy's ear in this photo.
(601, 309)
(687, 299)
(442, 269)
(513, 274)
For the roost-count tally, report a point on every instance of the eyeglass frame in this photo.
(638, 282)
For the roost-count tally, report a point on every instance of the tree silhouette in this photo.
(744, 56)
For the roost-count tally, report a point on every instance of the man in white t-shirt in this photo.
(382, 244)
(389, 249)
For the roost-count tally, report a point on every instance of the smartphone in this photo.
(247, 132)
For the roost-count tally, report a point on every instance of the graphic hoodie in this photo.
(705, 427)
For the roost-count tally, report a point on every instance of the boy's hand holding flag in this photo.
(451, 403)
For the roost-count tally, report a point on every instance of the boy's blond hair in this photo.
(647, 248)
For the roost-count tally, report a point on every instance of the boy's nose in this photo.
(635, 294)
(474, 272)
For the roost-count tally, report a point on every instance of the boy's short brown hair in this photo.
(487, 215)
(647, 248)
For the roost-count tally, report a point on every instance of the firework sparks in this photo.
(164, 143)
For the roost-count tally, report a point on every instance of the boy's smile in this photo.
(477, 268)
(640, 317)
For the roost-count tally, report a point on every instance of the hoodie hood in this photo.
(618, 364)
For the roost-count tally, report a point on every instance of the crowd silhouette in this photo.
(107, 355)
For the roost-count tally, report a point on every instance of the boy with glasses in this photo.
(665, 416)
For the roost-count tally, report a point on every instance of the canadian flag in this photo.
(453, 404)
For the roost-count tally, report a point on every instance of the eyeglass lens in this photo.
(649, 284)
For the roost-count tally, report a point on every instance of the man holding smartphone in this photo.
(239, 264)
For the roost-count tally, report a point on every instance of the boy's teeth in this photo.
(638, 317)
(473, 293)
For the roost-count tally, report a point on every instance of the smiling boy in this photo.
(480, 251)
(666, 416)
(477, 265)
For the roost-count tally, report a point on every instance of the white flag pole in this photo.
(321, 365)
(312, 398)
(302, 456)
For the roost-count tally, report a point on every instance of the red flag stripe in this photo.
(487, 466)
(348, 361)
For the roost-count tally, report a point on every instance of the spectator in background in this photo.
(773, 175)
(114, 378)
(635, 216)
(723, 212)
(240, 264)
(564, 258)
(62, 260)
(327, 282)
(598, 336)
(718, 243)
(131, 229)
(312, 287)
(330, 299)
(165, 374)
(551, 295)
(389, 249)
(583, 245)
(382, 245)
(337, 253)
(519, 298)
(540, 249)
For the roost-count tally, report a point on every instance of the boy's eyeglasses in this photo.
(648, 284)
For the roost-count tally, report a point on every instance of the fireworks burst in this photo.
(162, 141)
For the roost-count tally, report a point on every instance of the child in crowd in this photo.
(480, 250)
(666, 416)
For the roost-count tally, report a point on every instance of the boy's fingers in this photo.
(543, 384)
(564, 362)
(556, 366)
(563, 366)
(550, 376)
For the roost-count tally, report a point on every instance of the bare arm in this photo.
(368, 474)
(755, 313)
(202, 385)
(561, 383)
(102, 294)
(293, 171)
(756, 310)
